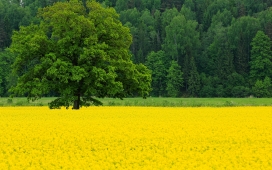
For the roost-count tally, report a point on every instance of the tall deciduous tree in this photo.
(157, 63)
(79, 54)
(261, 57)
(241, 34)
(166, 19)
(174, 80)
(182, 39)
(181, 43)
(213, 8)
(220, 54)
(188, 13)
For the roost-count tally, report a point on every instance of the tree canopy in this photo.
(77, 52)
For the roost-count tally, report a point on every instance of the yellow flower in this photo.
(136, 138)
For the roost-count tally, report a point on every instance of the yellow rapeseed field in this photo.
(136, 138)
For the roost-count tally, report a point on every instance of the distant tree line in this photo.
(194, 48)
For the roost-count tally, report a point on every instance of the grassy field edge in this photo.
(153, 101)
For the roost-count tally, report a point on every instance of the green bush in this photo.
(262, 88)
(240, 91)
(207, 91)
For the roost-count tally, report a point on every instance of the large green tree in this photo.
(78, 51)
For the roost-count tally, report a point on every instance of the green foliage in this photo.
(186, 11)
(225, 17)
(241, 33)
(265, 18)
(262, 88)
(181, 44)
(181, 38)
(156, 63)
(174, 80)
(221, 62)
(218, 34)
(213, 8)
(194, 80)
(261, 57)
(167, 17)
(240, 91)
(206, 91)
(121, 5)
(78, 54)
(219, 91)
(7, 79)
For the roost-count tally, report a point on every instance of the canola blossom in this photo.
(136, 138)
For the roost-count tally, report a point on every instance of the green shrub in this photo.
(240, 91)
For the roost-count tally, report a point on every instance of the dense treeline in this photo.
(196, 48)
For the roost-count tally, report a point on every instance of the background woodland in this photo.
(194, 48)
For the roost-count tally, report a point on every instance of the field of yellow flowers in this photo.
(136, 138)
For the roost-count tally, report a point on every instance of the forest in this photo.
(194, 48)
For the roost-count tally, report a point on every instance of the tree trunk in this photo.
(76, 103)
